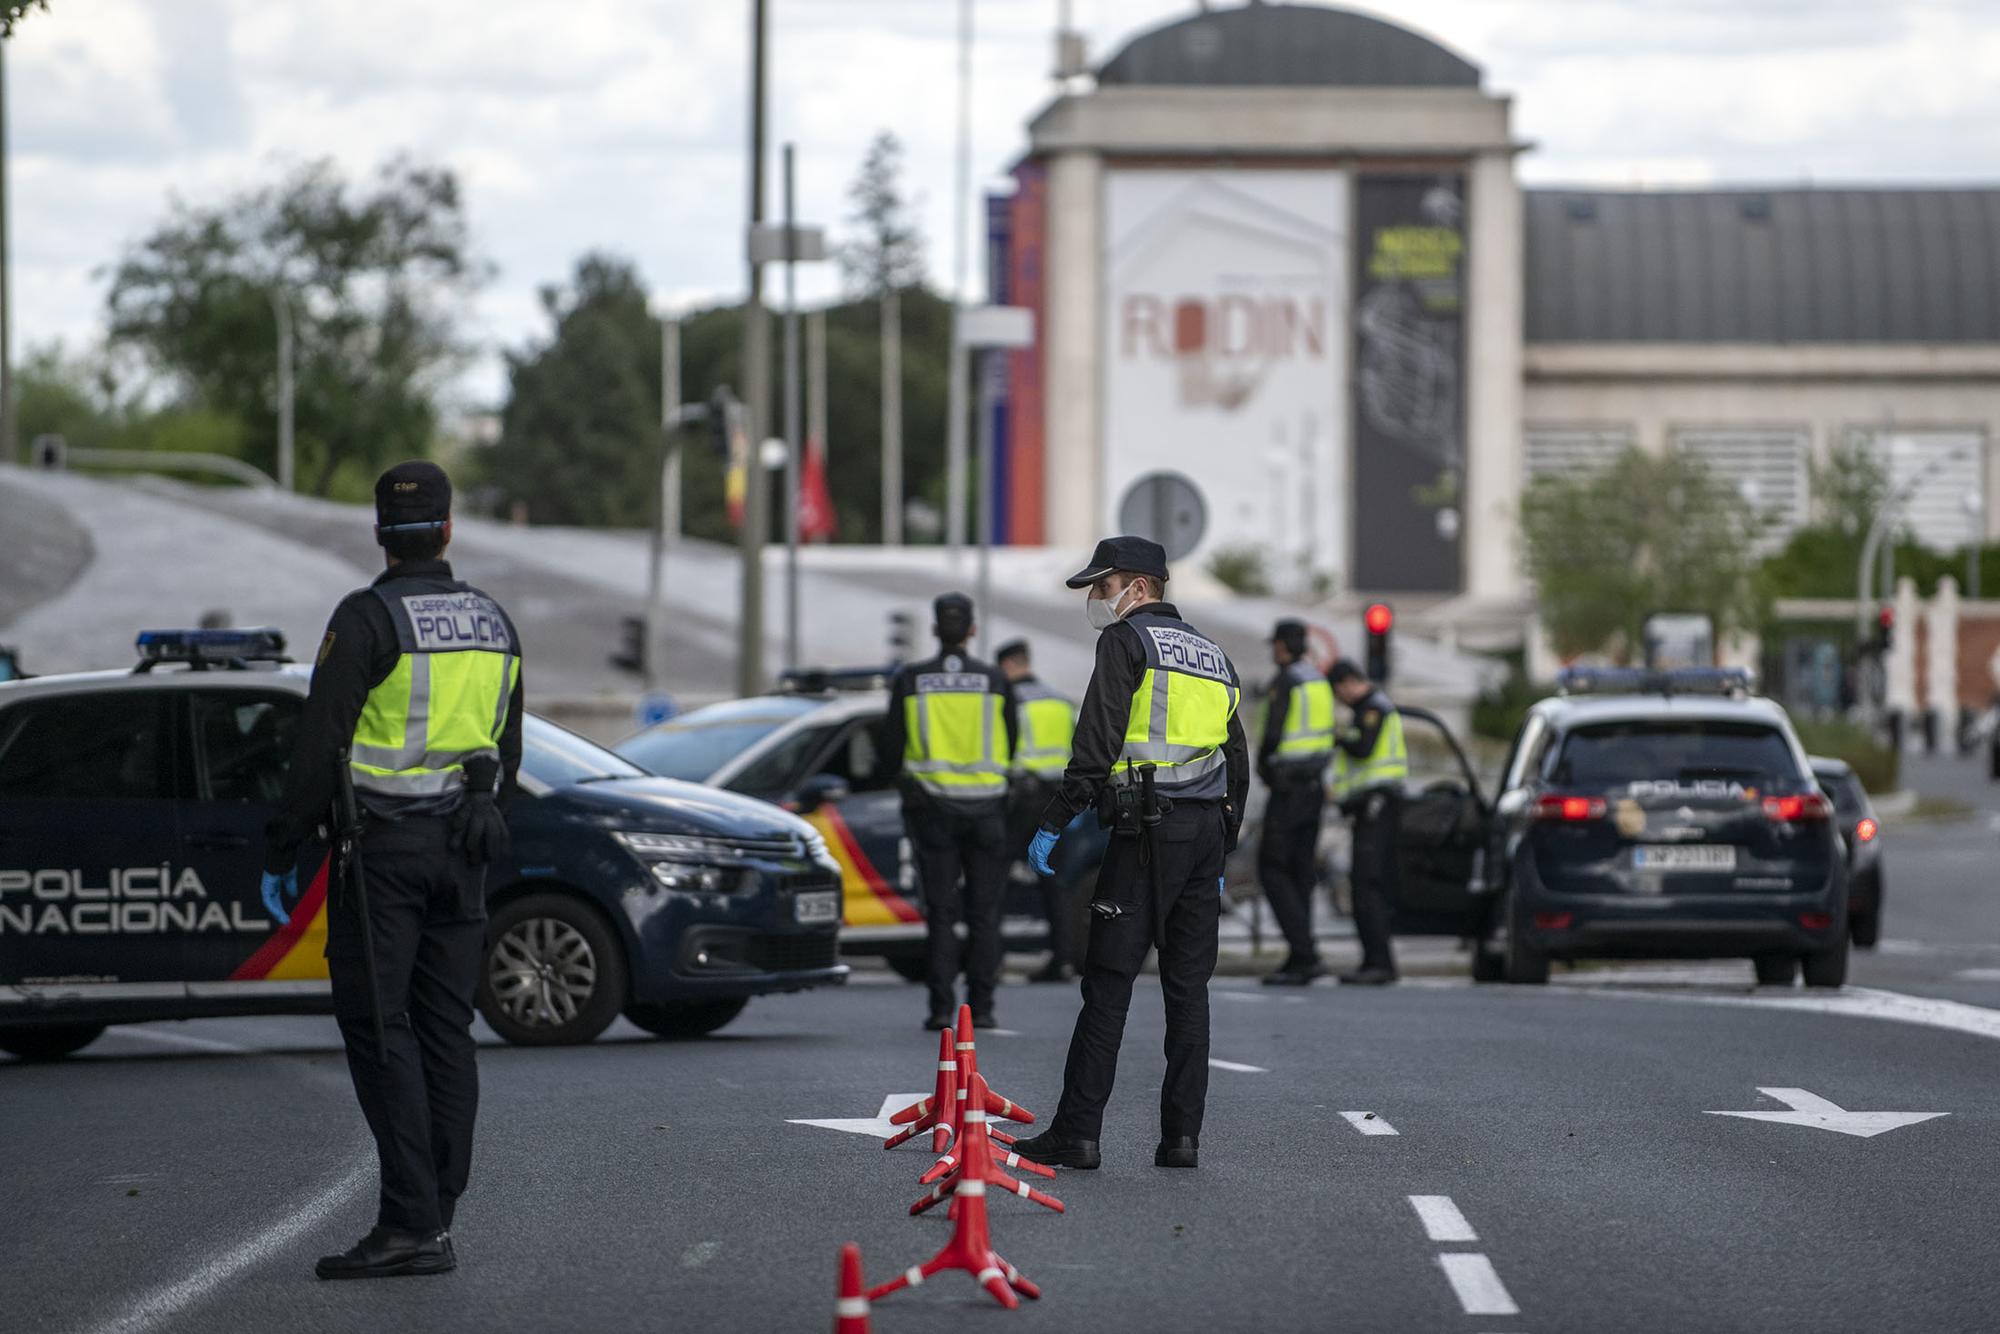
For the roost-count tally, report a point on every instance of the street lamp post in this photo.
(983, 331)
(1975, 543)
(756, 392)
(281, 308)
(666, 518)
(1864, 593)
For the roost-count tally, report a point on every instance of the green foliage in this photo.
(1848, 489)
(1242, 570)
(372, 276)
(1651, 533)
(13, 11)
(76, 398)
(1497, 714)
(1876, 765)
(887, 250)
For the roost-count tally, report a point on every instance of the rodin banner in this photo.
(1409, 382)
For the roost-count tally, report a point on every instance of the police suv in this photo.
(132, 811)
(1646, 814)
(815, 748)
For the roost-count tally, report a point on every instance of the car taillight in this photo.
(1866, 830)
(1570, 809)
(1797, 808)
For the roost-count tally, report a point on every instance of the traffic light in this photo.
(1378, 620)
(1885, 630)
(631, 654)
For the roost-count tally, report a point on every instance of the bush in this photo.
(1497, 714)
(1876, 765)
(1241, 570)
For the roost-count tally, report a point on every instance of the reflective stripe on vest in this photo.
(954, 731)
(1048, 725)
(1307, 740)
(1386, 766)
(1180, 711)
(445, 701)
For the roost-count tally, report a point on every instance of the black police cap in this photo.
(412, 495)
(951, 614)
(1128, 555)
(1290, 633)
(1344, 669)
(1013, 648)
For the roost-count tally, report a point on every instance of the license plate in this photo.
(808, 909)
(1714, 857)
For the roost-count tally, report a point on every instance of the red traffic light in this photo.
(1378, 618)
(1886, 618)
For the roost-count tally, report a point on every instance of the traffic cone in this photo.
(937, 1113)
(974, 1148)
(968, 1069)
(971, 1244)
(850, 1308)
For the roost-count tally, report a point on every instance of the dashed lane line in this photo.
(1368, 1123)
(1441, 1218)
(1476, 1284)
(1238, 1067)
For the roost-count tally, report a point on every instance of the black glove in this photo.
(478, 829)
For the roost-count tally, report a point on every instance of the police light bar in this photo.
(827, 681)
(1648, 681)
(207, 648)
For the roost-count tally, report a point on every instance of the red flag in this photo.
(816, 518)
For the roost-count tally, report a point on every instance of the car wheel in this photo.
(910, 967)
(1866, 930)
(1776, 970)
(1827, 968)
(686, 1019)
(554, 974)
(48, 1042)
(1524, 965)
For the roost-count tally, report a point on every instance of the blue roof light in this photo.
(1651, 681)
(203, 647)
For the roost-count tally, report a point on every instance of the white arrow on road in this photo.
(1809, 1109)
(877, 1125)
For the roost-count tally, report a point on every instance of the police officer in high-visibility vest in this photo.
(1047, 722)
(418, 684)
(1160, 753)
(952, 728)
(1292, 759)
(1369, 765)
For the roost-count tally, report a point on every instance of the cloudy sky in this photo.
(619, 124)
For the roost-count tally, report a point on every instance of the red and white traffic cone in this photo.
(937, 1113)
(971, 1244)
(850, 1308)
(973, 1141)
(968, 1067)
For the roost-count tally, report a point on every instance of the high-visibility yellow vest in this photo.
(1048, 724)
(1180, 711)
(1306, 742)
(444, 702)
(955, 732)
(1387, 765)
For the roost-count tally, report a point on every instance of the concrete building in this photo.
(1291, 298)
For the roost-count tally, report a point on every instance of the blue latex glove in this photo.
(1219, 890)
(1039, 850)
(276, 889)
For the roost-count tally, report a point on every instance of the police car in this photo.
(815, 748)
(1645, 814)
(1861, 835)
(132, 811)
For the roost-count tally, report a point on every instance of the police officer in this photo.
(1159, 750)
(1369, 766)
(1292, 760)
(1047, 722)
(952, 729)
(418, 682)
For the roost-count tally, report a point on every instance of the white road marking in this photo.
(169, 1038)
(1442, 1221)
(1368, 1123)
(1238, 1067)
(999, 1032)
(877, 1125)
(700, 1254)
(1976, 975)
(1809, 1109)
(160, 1304)
(1479, 1289)
(1855, 1002)
(1243, 996)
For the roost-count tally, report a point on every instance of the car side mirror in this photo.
(820, 789)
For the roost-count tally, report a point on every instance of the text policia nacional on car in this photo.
(129, 900)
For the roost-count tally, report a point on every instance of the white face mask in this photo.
(1103, 613)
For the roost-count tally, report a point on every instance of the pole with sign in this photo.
(982, 331)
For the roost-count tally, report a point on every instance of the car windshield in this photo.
(1681, 750)
(694, 746)
(556, 757)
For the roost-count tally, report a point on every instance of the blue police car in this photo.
(132, 808)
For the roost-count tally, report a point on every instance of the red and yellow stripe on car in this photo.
(867, 899)
(296, 951)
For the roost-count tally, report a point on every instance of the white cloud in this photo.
(620, 124)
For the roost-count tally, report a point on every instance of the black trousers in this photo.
(1173, 903)
(1027, 799)
(1285, 855)
(427, 906)
(961, 851)
(1373, 876)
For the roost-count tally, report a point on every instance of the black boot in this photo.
(1179, 1152)
(388, 1252)
(1369, 977)
(1053, 1150)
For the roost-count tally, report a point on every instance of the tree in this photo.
(373, 278)
(1608, 548)
(579, 439)
(886, 252)
(13, 11)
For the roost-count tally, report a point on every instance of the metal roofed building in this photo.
(1290, 295)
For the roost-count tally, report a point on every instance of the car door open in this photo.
(1441, 833)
